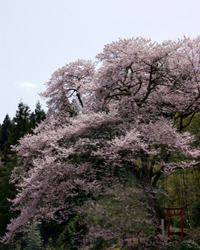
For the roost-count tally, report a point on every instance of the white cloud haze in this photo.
(26, 85)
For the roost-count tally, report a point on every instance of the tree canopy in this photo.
(125, 112)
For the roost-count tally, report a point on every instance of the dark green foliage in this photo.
(6, 130)
(24, 121)
(8, 192)
(5, 138)
(51, 231)
(37, 116)
(71, 235)
(101, 243)
(34, 241)
(184, 245)
(188, 245)
(10, 132)
(196, 214)
(67, 235)
(21, 122)
(171, 247)
(193, 126)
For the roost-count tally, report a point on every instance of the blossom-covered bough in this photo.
(127, 110)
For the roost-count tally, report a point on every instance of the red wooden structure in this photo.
(171, 211)
(137, 234)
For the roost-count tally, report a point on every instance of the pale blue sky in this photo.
(39, 36)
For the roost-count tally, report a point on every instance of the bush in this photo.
(184, 245)
(157, 242)
(189, 245)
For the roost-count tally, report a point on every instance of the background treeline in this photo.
(11, 130)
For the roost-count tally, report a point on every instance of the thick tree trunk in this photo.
(153, 207)
(148, 184)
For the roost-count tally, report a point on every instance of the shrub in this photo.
(184, 245)
(189, 245)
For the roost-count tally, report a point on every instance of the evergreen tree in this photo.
(10, 132)
(37, 116)
(21, 121)
(34, 237)
(39, 113)
(8, 191)
(5, 143)
(6, 129)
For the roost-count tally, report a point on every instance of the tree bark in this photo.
(153, 206)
